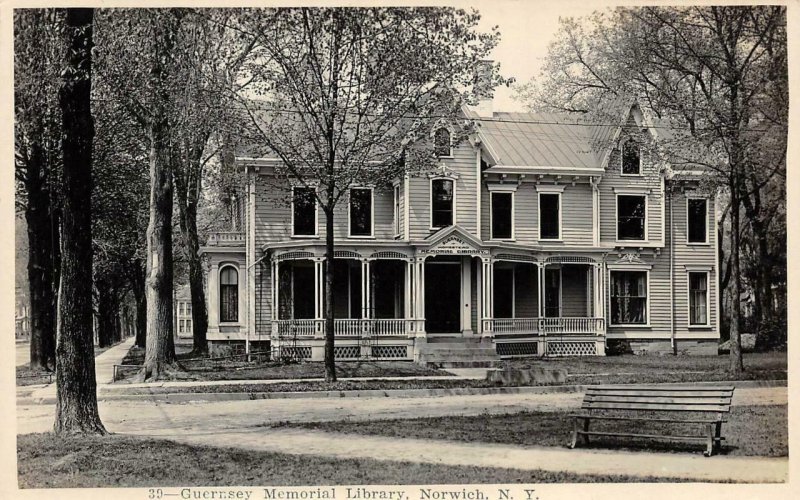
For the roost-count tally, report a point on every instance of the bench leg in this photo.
(585, 429)
(718, 436)
(574, 441)
(710, 443)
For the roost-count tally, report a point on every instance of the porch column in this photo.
(365, 289)
(541, 266)
(466, 295)
(479, 304)
(274, 299)
(407, 299)
(487, 312)
(419, 296)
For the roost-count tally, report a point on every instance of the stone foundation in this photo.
(663, 347)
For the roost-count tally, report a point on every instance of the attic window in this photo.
(631, 158)
(442, 142)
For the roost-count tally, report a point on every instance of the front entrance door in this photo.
(442, 297)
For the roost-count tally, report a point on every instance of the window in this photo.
(304, 212)
(441, 202)
(628, 297)
(397, 210)
(228, 294)
(549, 226)
(630, 217)
(441, 142)
(698, 298)
(697, 216)
(631, 159)
(361, 212)
(502, 216)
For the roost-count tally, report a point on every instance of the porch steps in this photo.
(461, 353)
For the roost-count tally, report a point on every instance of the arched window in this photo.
(441, 142)
(631, 158)
(228, 294)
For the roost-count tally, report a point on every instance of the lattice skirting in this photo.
(508, 349)
(347, 352)
(390, 351)
(303, 352)
(574, 348)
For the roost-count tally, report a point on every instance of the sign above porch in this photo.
(453, 241)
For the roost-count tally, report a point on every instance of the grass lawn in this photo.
(750, 430)
(240, 369)
(46, 461)
(629, 368)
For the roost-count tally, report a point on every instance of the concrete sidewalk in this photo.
(335, 445)
(103, 368)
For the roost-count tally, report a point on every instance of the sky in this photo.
(527, 27)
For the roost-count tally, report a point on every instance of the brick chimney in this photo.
(482, 87)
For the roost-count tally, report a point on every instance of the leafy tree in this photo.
(76, 389)
(212, 54)
(716, 78)
(139, 65)
(37, 57)
(347, 95)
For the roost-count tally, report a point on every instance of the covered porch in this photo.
(556, 302)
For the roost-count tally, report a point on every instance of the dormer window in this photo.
(442, 145)
(631, 158)
(442, 201)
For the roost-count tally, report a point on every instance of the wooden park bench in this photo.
(703, 406)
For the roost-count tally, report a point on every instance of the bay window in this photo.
(228, 294)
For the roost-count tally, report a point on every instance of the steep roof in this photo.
(541, 139)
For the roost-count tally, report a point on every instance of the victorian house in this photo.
(537, 235)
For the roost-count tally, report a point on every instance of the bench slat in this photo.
(656, 406)
(657, 399)
(678, 394)
(658, 388)
(649, 436)
(645, 419)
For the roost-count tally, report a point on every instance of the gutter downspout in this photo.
(668, 194)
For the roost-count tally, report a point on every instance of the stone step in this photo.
(462, 364)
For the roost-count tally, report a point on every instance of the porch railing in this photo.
(547, 326)
(222, 238)
(343, 327)
(516, 325)
(295, 327)
(567, 326)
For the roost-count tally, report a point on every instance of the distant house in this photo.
(183, 311)
(538, 235)
(22, 320)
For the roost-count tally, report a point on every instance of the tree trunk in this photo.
(76, 387)
(160, 345)
(188, 195)
(330, 361)
(160, 348)
(141, 309)
(42, 255)
(105, 313)
(736, 366)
